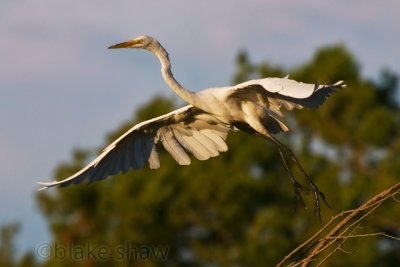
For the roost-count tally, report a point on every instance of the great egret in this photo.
(202, 126)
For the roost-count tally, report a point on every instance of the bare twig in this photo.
(342, 227)
(366, 235)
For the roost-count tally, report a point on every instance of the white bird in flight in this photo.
(201, 127)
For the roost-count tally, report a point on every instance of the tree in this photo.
(8, 251)
(237, 209)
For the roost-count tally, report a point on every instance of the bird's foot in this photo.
(318, 195)
(298, 189)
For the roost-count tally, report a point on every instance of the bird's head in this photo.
(143, 42)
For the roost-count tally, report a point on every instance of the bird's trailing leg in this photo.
(298, 188)
(316, 192)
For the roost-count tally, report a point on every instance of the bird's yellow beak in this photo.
(126, 44)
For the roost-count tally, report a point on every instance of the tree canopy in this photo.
(238, 208)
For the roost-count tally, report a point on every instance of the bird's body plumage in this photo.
(201, 127)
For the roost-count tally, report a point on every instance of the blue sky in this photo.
(60, 88)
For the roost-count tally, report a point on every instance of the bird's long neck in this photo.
(189, 96)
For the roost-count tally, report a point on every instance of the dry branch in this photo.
(338, 230)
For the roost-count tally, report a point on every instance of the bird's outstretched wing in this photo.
(273, 93)
(290, 93)
(184, 130)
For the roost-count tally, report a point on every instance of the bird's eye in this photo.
(137, 41)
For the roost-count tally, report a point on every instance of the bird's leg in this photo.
(296, 185)
(316, 192)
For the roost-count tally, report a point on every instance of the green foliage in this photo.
(238, 208)
(7, 234)
(7, 249)
(330, 64)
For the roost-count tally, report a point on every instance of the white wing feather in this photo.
(174, 148)
(204, 137)
(288, 87)
(286, 92)
(283, 86)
